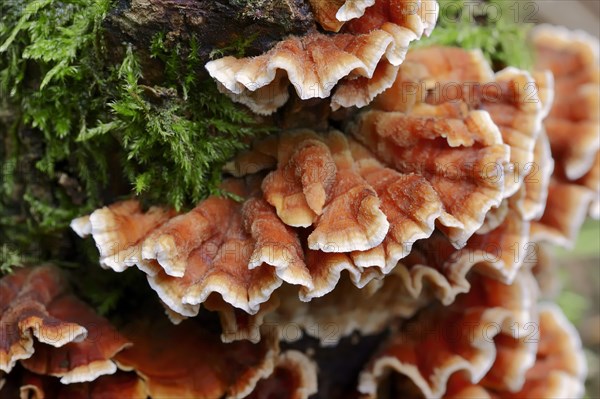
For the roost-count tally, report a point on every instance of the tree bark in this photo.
(214, 24)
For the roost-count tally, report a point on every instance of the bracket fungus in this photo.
(121, 385)
(72, 341)
(591, 180)
(26, 296)
(118, 230)
(557, 372)
(462, 338)
(403, 205)
(532, 203)
(368, 49)
(573, 124)
(566, 209)
(573, 128)
(78, 361)
(170, 371)
(159, 365)
(360, 215)
(419, 246)
(332, 15)
(294, 377)
(510, 97)
(462, 157)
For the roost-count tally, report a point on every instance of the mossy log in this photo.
(216, 25)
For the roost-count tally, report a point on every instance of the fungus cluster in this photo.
(359, 62)
(423, 211)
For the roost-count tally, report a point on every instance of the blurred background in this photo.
(574, 14)
(579, 276)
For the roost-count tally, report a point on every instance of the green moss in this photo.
(237, 48)
(50, 81)
(189, 131)
(51, 76)
(68, 113)
(10, 258)
(494, 26)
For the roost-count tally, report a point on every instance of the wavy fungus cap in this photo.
(118, 230)
(433, 67)
(460, 154)
(443, 341)
(73, 342)
(558, 372)
(328, 206)
(332, 14)
(574, 121)
(511, 97)
(591, 180)
(513, 104)
(27, 295)
(327, 188)
(453, 64)
(78, 361)
(532, 196)
(500, 253)
(360, 215)
(544, 82)
(161, 363)
(381, 36)
(536, 183)
(161, 356)
(294, 377)
(207, 250)
(565, 212)
(119, 385)
(433, 271)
